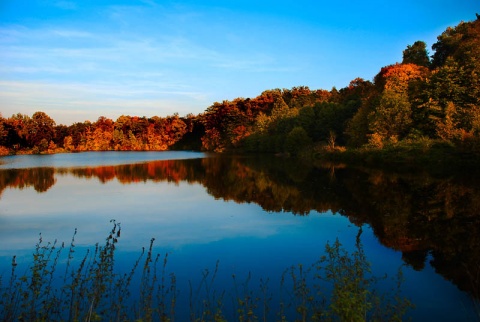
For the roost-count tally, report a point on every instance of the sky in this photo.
(77, 60)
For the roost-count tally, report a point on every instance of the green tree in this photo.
(453, 91)
(357, 127)
(364, 95)
(461, 43)
(416, 54)
(457, 76)
(329, 117)
(392, 118)
(296, 140)
(280, 116)
(306, 119)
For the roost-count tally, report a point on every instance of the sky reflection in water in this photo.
(92, 159)
(197, 229)
(175, 215)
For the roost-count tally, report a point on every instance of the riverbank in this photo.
(428, 155)
(431, 155)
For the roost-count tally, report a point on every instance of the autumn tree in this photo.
(227, 124)
(299, 96)
(4, 150)
(61, 131)
(128, 132)
(214, 138)
(100, 135)
(76, 132)
(16, 127)
(40, 130)
(68, 143)
(3, 131)
(152, 136)
(397, 77)
(390, 117)
(175, 129)
(192, 139)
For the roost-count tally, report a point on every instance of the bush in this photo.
(296, 140)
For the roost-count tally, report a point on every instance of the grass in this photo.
(59, 286)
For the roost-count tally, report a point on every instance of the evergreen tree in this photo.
(416, 54)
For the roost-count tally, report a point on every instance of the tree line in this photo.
(40, 134)
(423, 98)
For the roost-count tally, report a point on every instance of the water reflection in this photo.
(418, 214)
(41, 179)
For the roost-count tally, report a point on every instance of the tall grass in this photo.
(339, 286)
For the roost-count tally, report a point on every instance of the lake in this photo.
(254, 216)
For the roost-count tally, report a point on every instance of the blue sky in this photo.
(78, 60)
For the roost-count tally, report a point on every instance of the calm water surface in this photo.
(257, 215)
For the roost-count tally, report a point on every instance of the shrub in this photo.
(296, 140)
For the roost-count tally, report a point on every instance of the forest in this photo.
(424, 101)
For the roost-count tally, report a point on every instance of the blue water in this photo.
(196, 230)
(91, 159)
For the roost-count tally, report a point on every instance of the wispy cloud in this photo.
(176, 226)
(53, 45)
(70, 33)
(88, 56)
(176, 58)
(87, 99)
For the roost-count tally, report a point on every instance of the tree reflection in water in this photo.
(419, 214)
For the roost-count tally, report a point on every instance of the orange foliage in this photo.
(396, 77)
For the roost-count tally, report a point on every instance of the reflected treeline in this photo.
(420, 216)
(41, 179)
(157, 171)
(424, 217)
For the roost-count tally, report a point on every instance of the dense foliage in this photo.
(423, 98)
(40, 134)
(418, 99)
